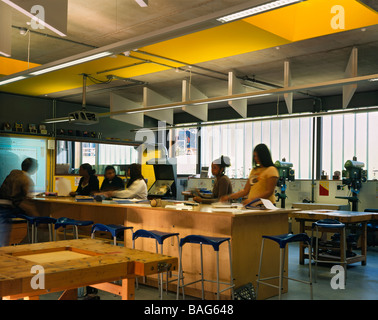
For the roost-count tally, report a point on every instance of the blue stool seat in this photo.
(372, 226)
(63, 222)
(159, 236)
(328, 223)
(112, 228)
(213, 241)
(283, 239)
(36, 220)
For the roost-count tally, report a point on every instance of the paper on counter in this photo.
(268, 204)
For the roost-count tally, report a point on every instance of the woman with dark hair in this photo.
(89, 183)
(112, 182)
(262, 180)
(136, 187)
(222, 185)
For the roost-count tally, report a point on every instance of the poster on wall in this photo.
(324, 188)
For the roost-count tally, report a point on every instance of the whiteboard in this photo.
(15, 150)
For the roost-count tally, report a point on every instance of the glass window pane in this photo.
(349, 130)
(337, 163)
(372, 162)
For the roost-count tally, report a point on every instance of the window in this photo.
(349, 135)
(184, 149)
(290, 139)
(71, 154)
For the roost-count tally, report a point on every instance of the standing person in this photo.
(112, 182)
(222, 185)
(89, 183)
(136, 187)
(15, 196)
(262, 180)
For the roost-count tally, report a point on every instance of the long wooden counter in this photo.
(244, 229)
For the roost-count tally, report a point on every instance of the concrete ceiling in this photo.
(97, 23)
(312, 61)
(92, 24)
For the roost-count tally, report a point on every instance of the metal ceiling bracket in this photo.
(151, 99)
(350, 71)
(235, 87)
(118, 103)
(189, 92)
(287, 83)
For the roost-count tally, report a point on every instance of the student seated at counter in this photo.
(112, 182)
(136, 187)
(89, 183)
(262, 180)
(222, 185)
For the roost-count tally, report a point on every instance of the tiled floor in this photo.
(362, 282)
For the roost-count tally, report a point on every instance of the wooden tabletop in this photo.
(74, 263)
(202, 208)
(342, 216)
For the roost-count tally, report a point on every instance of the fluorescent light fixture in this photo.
(373, 80)
(12, 80)
(256, 10)
(142, 3)
(57, 120)
(5, 54)
(31, 16)
(71, 63)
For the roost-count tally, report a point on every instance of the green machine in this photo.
(286, 173)
(353, 177)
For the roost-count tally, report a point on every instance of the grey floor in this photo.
(362, 282)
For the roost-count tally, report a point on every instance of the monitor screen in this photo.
(15, 150)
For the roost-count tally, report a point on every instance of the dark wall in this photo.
(16, 108)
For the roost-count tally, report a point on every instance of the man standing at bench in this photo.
(14, 196)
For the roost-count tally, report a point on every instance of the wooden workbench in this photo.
(244, 229)
(71, 264)
(346, 217)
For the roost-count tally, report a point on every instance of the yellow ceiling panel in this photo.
(9, 66)
(223, 41)
(315, 18)
(70, 78)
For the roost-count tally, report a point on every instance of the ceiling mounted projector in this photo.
(83, 117)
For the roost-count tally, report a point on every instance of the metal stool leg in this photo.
(161, 274)
(136, 278)
(36, 233)
(259, 274)
(282, 258)
(202, 278)
(218, 293)
(32, 233)
(231, 271)
(316, 253)
(309, 268)
(50, 232)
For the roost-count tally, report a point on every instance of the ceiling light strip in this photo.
(12, 80)
(71, 63)
(257, 10)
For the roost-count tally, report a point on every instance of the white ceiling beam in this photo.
(247, 95)
(118, 103)
(189, 92)
(234, 87)
(142, 3)
(5, 30)
(350, 71)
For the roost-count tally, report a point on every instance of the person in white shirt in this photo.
(136, 187)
